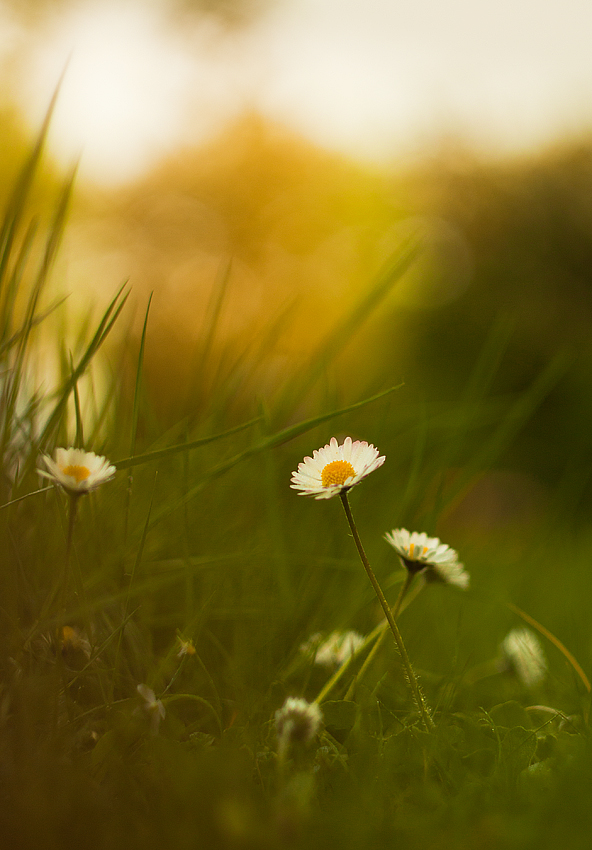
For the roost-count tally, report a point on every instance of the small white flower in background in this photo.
(152, 706)
(334, 650)
(75, 641)
(186, 647)
(297, 721)
(77, 471)
(418, 553)
(522, 654)
(334, 468)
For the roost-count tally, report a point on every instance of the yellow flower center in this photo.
(424, 549)
(336, 472)
(68, 635)
(78, 473)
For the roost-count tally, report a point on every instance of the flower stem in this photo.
(372, 654)
(73, 509)
(419, 698)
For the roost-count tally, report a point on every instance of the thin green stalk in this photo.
(342, 669)
(72, 512)
(411, 677)
(372, 654)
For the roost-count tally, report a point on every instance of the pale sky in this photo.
(374, 79)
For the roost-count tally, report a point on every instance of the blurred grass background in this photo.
(287, 283)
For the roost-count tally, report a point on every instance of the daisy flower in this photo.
(335, 469)
(152, 706)
(334, 650)
(74, 642)
(297, 720)
(522, 654)
(418, 553)
(77, 471)
(186, 647)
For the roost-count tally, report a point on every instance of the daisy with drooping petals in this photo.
(77, 471)
(418, 552)
(335, 469)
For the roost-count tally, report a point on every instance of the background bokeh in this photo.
(247, 220)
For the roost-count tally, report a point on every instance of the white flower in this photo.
(297, 720)
(337, 648)
(418, 552)
(522, 654)
(77, 471)
(186, 647)
(74, 642)
(153, 707)
(334, 469)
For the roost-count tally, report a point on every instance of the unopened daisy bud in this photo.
(335, 468)
(297, 721)
(77, 471)
(420, 553)
(522, 654)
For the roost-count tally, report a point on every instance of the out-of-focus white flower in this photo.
(186, 647)
(152, 706)
(77, 471)
(75, 642)
(418, 553)
(334, 468)
(297, 721)
(522, 654)
(334, 650)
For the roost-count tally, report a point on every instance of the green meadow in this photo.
(198, 574)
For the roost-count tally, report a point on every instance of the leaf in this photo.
(510, 714)
(340, 715)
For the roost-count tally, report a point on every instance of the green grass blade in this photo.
(79, 438)
(342, 335)
(138, 384)
(105, 325)
(159, 454)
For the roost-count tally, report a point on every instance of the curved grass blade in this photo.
(274, 440)
(137, 460)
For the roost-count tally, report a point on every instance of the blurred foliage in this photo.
(504, 257)
(233, 13)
